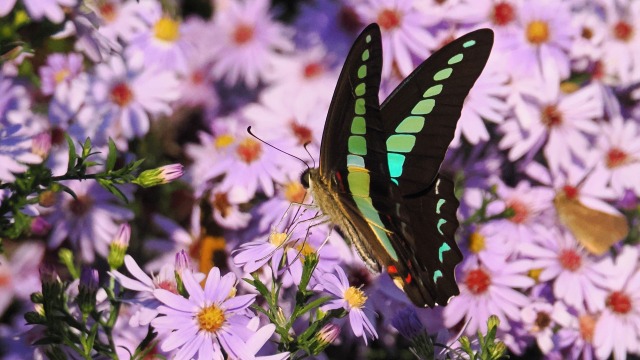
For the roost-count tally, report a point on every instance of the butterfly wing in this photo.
(420, 117)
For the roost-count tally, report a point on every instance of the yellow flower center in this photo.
(569, 87)
(476, 242)
(211, 318)
(305, 249)
(61, 75)
(167, 29)
(355, 297)
(294, 192)
(223, 141)
(277, 238)
(535, 274)
(537, 32)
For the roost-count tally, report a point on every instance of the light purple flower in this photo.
(126, 93)
(90, 222)
(19, 274)
(14, 102)
(351, 299)
(122, 19)
(541, 318)
(15, 152)
(617, 330)
(485, 292)
(38, 9)
(208, 320)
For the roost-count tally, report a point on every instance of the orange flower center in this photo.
(477, 281)
(503, 13)
(211, 318)
(294, 192)
(476, 242)
(616, 157)
(108, 12)
(570, 260)
(222, 204)
(121, 94)
(551, 117)
(81, 205)
(243, 34)
(388, 19)
(537, 32)
(521, 212)
(587, 327)
(571, 192)
(312, 70)
(301, 132)
(619, 302)
(622, 30)
(249, 150)
(542, 320)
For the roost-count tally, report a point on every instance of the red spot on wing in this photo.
(408, 279)
(392, 270)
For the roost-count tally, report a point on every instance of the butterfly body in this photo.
(378, 178)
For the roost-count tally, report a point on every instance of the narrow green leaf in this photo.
(72, 153)
(86, 148)
(111, 156)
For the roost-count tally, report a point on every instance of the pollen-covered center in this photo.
(355, 297)
(476, 242)
(277, 238)
(249, 150)
(167, 285)
(301, 132)
(503, 13)
(537, 32)
(616, 157)
(623, 31)
(389, 19)
(534, 274)
(224, 140)
(80, 205)
(520, 210)
(121, 94)
(542, 320)
(167, 29)
(61, 75)
(571, 192)
(222, 204)
(570, 259)
(211, 318)
(294, 192)
(107, 11)
(551, 117)
(619, 302)
(312, 70)
(477, 281)
(243, 34)
(587, 325)
(305, 249)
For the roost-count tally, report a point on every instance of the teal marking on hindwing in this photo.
(355, 160)
(469, 43)
(440, 223)
(455, 59)
(396, 162)
(437, 275)
(439, 205)
(443, 74)
(411, 125)
(444, 247)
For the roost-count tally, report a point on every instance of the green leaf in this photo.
(72, 154)
(111, 157)
(68, 191)
(86, 148)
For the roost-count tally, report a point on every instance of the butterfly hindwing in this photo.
(421, 114)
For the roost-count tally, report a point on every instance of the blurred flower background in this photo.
(555, 112)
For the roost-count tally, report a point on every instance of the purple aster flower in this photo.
(620, 55)
(126, 93)
(578, 278)
(485, 292)
(587, 47)
(542, 42)
(248, 40)
(208, 320)
(617, 330)
(38, 9)
(122, 19)
(20, 274)
(15, 152)
(540, 318)
(163, 43)
(403, 32)
(281, 208)
(59, 73)
(14, 102)
(618, 152)
(577, 338)
(351, 299)
(90, 221)
(226, 209)
(83, 27)
(487, 245)
(255, 254)
(175, 238)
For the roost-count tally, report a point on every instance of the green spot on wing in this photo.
(469, 43)
(396, 161)
(368, 39)
(411, 125)
(443, 74)
(359, 183)
(365, 55)
(444, 247)
(433, 91)
(355, 160)
(371, 214)
(440, 223)
(360, 107)
(455, 59)
(395, 181)
(439, 205)
(401, 143)
(358, 126)
(362, 71)
(423, 107)
(360, 89)
(437, 275)
(357, 145)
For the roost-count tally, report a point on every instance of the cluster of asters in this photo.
(555, 110)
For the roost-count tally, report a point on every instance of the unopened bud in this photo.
(41, 145)
(118, 247)
(39, 226)
(158, 176)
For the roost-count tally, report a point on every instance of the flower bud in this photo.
(328, 334)
(87, 289)
(47, 198)
(158, 176)
(118, 247)
(39, 226)
(41, 145)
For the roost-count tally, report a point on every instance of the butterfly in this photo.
(378, 177)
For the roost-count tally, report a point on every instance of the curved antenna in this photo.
(308, 153)
(282, 151)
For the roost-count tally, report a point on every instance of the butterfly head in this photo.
(305, 178)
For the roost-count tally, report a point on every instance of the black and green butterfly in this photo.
(378, 179)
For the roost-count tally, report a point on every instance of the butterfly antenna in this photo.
(308, 153)
(282, 151)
